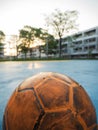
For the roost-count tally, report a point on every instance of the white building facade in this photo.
(83, 44)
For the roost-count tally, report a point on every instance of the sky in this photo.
(14, 14)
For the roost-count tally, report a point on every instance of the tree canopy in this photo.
(51, 45)
(27, 37)
(62, 23)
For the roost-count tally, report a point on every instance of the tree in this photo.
(71, 43)
(23, 47)
(51, 45)
(27, 34)
(40, 36)
(26, 37)
(62, 23)
(2, 36)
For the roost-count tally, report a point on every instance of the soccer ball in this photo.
(49, 101)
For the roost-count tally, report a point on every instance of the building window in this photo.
(93, 47)
(78, 49)
(77, 36)
(90, 40)
(78, 42)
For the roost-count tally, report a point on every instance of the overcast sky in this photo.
(14, 14)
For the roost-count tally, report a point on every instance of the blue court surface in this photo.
(85, 72)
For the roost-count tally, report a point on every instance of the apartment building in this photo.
(81, 45)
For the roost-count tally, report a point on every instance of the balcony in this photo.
(89, 44)
(90, 37)
(91, 32)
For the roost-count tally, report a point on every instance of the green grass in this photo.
(44, 59)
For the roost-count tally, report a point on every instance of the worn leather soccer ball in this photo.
(49, 101)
